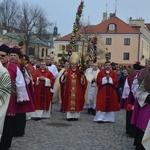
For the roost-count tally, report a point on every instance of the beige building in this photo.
(125, 43)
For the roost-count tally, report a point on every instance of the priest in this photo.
(107, 100)
(73, 85)
(43, 82)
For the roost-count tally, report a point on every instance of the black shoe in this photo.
(93, 112)
(75, 119)
(89, 110)
(61, 110)
(36, 119)
(131, 136)
(69, 119)
(100, 122)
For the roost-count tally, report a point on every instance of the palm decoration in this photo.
(5, 86)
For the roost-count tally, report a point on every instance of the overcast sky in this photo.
(63, 11)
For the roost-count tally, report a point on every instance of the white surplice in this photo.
(6, 97)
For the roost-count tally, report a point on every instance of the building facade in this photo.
(125, 43)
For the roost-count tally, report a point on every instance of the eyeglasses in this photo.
(2, 55)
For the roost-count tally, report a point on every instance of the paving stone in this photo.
(57, 133)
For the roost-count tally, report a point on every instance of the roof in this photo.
(148, 26)
(34, 39)
(102, 28)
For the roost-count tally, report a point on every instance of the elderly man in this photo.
(20, 117)
(73, 85)
(5, 90)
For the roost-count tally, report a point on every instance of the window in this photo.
(42, 54)
(108, 41)
(127, 41)
(31, 51)
(60, 55)
(76, 47)
(67, 47)
(60, 47)
(112, 27)
(46, 51)
(126, 56)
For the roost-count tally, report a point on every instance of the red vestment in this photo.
(42, 93)
(72, 91)
(107, 99)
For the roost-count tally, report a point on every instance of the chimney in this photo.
(4, 32)
(104, 16)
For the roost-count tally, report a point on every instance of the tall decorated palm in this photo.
(75, 30)
(76, 26)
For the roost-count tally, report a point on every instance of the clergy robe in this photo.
(144, 112)
(53, 69)
(42, 93)
(130, 128)
(19, 94)
(20, 118)
(91, 91)
(137, 107)
(18, 98)
(107, 100)
(4, 96)
(146, 137)
(56, 87)
(72, 91)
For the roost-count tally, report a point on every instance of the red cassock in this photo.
(42, 93)
(72, 91)
(107, 99)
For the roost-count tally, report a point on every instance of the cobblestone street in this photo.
(57, 133)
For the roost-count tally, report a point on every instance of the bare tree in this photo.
(9, 13)
(43, 25)
(33, 21)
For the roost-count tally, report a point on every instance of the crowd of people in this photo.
(27, 91)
